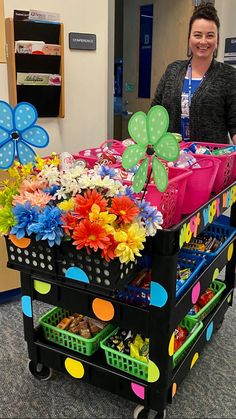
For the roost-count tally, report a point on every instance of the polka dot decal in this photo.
(153, 372)
(140, 177)
(230, 252)
(215, 274)
(159, 295)
(26, 305)
(174, 389)
(74, 368)
(25, 116)
(36, 136)
(194, 360)
(132, 155)
(104, 310)
(229, 299)
(196, 292)
(209, 331)
(4, 136)
(42, 287)
(171, 345)
(77, 274)
(22, 243)
(138, 390)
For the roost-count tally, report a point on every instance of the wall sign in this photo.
(85, 41)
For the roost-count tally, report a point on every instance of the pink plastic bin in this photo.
(91, 155)
(170, 202)
(200, 184)
(227, 171)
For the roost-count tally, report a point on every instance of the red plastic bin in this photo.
(227, 171)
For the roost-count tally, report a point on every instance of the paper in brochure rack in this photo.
(37, 48)
(42, 16)
(38, 79)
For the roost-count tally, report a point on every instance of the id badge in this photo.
(185, 128)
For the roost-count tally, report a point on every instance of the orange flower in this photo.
(83, 204)
(108, 252)
(124, 208)
(92, 235)
(70, 222)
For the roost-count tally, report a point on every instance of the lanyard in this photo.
(189, 84)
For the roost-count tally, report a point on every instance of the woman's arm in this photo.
(234, 139)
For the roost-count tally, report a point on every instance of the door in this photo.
(167, 42)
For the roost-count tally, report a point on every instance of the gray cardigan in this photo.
(213, 105)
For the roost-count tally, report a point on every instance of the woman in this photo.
(200, 94)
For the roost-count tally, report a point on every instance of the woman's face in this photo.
(203, 38)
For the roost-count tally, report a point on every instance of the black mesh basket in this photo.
(111, 275)
(37, 257)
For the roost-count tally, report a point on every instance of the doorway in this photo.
(147, 33)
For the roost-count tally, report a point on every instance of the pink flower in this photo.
(32, 185)
(37, 198)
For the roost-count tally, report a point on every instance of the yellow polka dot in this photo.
(194, 360)
(174, 389)
(171, 345)
(153, 372)
(42, 287)
(229, 298)
(230, 252)
(74, 368)
(215, 274)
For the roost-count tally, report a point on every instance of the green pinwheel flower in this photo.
(152, 141)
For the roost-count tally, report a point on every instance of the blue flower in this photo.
(18, 133)
(51, 190)
(106, 171)
(48, 226)
(25, 215)
(151, 217)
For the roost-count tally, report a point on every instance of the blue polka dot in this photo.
(77, 274)
(209, 331)
(159, 295)
(26, 305)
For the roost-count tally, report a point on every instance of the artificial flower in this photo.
(7, 220)
(7, 194)
(25, 215)
(106, 171)
(90, 235)
(103, 218)
(84, 203)
(108, 252)
(130, 242)
(67, 205)
(48, 226)
(125, 209)
(38, 198)
(69, 222)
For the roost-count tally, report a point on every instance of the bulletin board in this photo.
(2, 33)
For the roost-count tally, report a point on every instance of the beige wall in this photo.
(86, 74)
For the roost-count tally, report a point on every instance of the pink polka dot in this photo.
(196, 292)
(138, 390)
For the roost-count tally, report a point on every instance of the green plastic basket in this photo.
(69, 340)
(217, 287)
(138, 368)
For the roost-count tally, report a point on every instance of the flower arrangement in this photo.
(89, 207)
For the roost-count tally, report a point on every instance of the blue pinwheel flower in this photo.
(18, 133)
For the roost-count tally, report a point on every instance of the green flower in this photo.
(7, 220)
(152, 141)
(6, 195)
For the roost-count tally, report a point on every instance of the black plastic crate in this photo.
(111, 275)
(37, 257)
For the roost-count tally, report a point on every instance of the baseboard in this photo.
(11, 295)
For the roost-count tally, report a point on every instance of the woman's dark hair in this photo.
(205, 11)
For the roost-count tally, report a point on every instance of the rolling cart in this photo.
(158, 321)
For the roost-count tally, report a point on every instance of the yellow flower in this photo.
(67, 205)
(40, 163)
(56, 160)
(130, 242)
(103, 218)
(27, 169)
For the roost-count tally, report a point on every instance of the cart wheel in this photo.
(140, 412)
(161, 415)
(39, 371)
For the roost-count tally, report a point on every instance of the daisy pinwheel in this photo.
(152, 141)
(18, 133)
